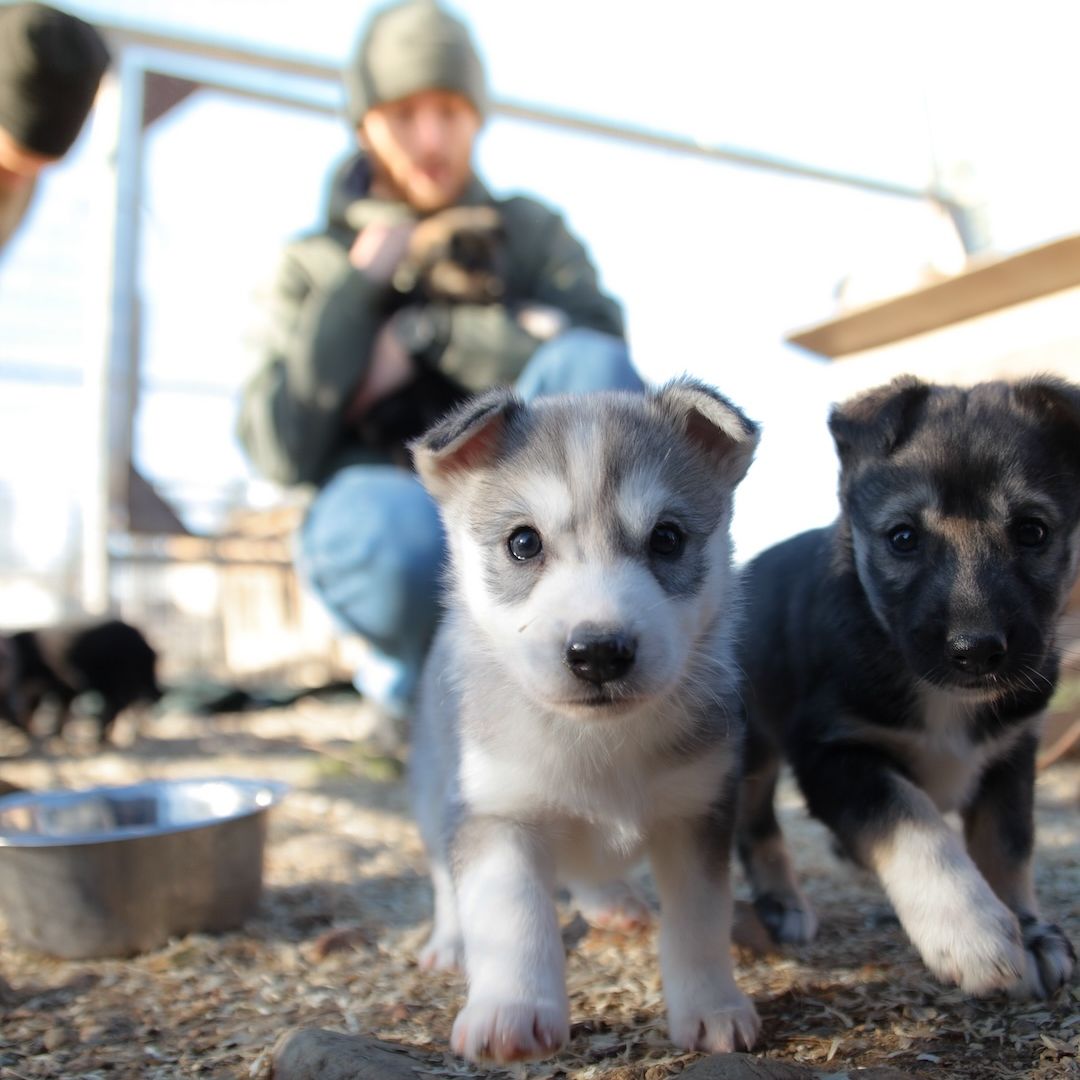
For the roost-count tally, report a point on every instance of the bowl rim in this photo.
(275, 791)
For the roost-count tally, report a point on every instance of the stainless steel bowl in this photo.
(113, 871)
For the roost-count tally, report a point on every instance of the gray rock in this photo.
(745, 1067)
(316, 1054)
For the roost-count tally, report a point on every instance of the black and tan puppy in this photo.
(55, 664)
(901, 660)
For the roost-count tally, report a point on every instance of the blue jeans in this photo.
(372, 546)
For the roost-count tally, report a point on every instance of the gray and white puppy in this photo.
(578, 710)
(901, 660)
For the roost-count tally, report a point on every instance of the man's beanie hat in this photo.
(411, 47)
(51, 64)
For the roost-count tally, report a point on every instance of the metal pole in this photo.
(131, 34)
(108, 383)
(731, 155)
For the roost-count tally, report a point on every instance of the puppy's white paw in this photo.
(501, 1031)
(787, 916)
(443, 952)
(716, 1019)
(612, 906)
(979, 947)
(963, 932)
(1050, 960)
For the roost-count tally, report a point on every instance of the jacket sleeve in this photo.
(312, 353)
(548, 266)
(565, 277)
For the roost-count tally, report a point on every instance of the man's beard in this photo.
(384, 185)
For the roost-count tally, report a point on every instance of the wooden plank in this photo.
(986, 287)
(225, 550)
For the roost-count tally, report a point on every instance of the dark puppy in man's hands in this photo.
(902, 658)
(456, 255)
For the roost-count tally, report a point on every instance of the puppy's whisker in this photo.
(1038, 675)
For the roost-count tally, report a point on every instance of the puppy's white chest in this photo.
(946, 760)
(613, 807)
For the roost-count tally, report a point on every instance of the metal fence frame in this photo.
(154, 72)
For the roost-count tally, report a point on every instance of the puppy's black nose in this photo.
(976, 653)
(597, 655)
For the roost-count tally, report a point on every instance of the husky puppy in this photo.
(577, 708)
(902, 658)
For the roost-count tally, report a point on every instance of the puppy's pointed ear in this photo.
(1056, 403)
(877, 422)
(468, 438)
(711, 421)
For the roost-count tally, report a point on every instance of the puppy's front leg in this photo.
(1000, 830)
(517, 1008)
(691, 864)
(963, 932)
(778, 900)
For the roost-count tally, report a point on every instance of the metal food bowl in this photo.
(114, 871)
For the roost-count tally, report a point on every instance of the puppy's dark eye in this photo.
(525, 543)
(903, 539)
(666, 539)
(1031, 533)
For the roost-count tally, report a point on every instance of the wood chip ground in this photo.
(347, 903)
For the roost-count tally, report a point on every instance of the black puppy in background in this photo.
(7, 679)
(53, 665)
(901, 660)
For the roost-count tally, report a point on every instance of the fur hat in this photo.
(409, 47)
(50, 66)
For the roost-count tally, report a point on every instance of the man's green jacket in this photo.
(324, 315)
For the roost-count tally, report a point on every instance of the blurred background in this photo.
(791, 201)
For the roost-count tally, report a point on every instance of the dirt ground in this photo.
(346, 904)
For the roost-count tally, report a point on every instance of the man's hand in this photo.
(379, 248)
(542, 321)
(390, 369)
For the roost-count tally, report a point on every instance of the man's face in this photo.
(421, 147)
(19, 167)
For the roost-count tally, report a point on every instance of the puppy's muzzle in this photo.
(976, 653)
(598, 655)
